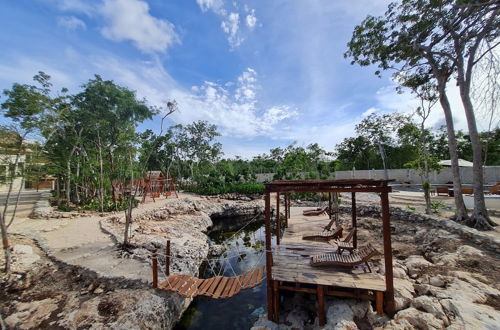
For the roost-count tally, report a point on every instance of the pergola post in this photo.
(269, 256)
(330, 205)
(389, 277)
(278, 220)
(354, 220)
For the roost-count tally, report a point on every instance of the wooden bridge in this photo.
(217, 287)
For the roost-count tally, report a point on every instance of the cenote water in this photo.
(243, 309)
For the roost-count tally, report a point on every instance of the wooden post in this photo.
(276, 301)
(321, 304)
(167, 259)
(379, 302)
(278, 221)
(389, 277)
(354, 220)
(286, 209)
(330, 211)
(154, 260)
(269, 256)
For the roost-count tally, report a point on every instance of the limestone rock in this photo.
(22, 249)
(418, 319)
(430, 305)
(29, 315)
(415, 264)
(403, 293)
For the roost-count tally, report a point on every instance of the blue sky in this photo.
(267, 73)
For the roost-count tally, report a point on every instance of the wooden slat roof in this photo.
(328, 185)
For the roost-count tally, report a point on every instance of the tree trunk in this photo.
(101, 175)
(68, 180)
(479, 218)
(17, 203)
(461, 211)
(382, 155)
(16, 161)
(58, 190)
(5, 244)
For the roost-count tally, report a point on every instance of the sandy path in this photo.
(81, 242)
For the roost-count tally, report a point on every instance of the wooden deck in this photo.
(291, 259)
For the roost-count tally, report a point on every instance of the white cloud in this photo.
(251, 19)
(215, 5)
(131, 20)
(80, 6)
(71, 23)
(388, 100)
(230, 21)
(234, 110)
(369, 112)
(231, 27)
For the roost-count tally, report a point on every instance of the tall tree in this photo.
(407, 40)
(379, 130)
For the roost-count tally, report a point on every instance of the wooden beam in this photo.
(269, 256)
(320, 188)
(276, 301)
(379, 302)
(330, 205)
(167, 259)
(354, 220)
(278, 220)
(389, 277)
(321, 304)
(154, 262)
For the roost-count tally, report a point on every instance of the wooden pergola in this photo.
(287, 263)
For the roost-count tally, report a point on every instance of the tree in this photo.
(378, 129)
(27, 106)
(409, 40)
(470, 24)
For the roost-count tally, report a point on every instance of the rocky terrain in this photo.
(447, 275)
(56, 286)
(442, 280)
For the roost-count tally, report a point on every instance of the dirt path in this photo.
(81, 242)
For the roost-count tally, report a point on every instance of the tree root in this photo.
(481, 222)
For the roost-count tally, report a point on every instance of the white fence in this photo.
(491, 175)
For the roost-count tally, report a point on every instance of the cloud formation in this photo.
(124, 20)
(71, 23)
(233, 107)
(230, 23)
(131, 20)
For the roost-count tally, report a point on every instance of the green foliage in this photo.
(64, 207)
(109, 205)
(436, 206)
(240, 188)
(411, 208)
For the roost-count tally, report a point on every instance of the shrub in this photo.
(109, 205)
(240, 188)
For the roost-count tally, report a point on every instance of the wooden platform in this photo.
(291, 259)
(216, 287)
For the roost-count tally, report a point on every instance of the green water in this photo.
(243, 309)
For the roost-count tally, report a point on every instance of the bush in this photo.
(240, 188)
(64, 208)
(109, 205)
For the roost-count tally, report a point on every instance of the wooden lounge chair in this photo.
(495, 190)
(318, 211)
(359, 257)
(324, 235)
(346, 242)
(442, 191)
